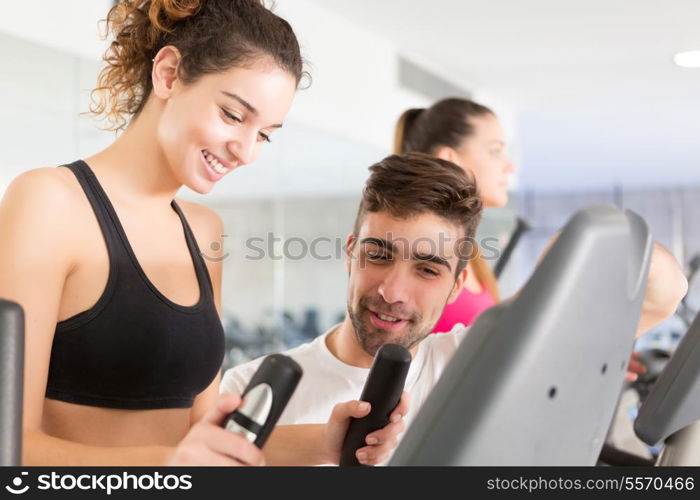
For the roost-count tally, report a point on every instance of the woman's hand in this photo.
(380, 443)
(208, 443)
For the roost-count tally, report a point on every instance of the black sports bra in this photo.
(135, 349)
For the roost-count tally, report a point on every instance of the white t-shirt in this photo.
(327, 380)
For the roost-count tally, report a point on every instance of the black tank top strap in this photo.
(197, 256)
(101, 207)
(115, 250)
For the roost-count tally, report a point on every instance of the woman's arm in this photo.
(35, 259)
(205, 400)
(208, 228)
(666, 286)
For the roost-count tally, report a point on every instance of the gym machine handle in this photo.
(265, 398)
(382, 390)
(11, 385)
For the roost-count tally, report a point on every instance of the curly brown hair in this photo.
(417, 183)
(211, 36)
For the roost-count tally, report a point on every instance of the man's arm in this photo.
(321, 444)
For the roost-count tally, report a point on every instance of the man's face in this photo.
(402, 274)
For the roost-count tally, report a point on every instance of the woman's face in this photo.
(484, 154)
(220, 122)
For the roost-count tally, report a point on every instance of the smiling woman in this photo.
(124, 341)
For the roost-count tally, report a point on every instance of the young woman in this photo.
(469, 135)
(124, 342)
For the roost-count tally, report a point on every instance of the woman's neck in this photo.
(134, 166)
(472, 283)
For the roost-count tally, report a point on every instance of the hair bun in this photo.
(164, 13)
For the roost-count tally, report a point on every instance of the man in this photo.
(406, 260)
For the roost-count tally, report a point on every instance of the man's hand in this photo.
(380, 443)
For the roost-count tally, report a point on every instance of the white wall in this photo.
(355, 91)
(42, 93)
(70, 26)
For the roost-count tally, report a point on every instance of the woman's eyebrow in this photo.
(247, 105)
(238, 98)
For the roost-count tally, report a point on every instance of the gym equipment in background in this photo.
(521, 227)
(671, 411)
(11, 383)
(537, 379)
(685, 311)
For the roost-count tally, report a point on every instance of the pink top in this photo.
(465, 309)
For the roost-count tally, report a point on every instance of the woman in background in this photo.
(469, 135)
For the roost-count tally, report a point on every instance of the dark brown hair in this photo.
(445, 123)
(413, 184)
(211, 36)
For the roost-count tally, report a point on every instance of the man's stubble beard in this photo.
(370, 338)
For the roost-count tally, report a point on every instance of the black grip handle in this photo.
(382, 390)
(282, 374)
(11, 383)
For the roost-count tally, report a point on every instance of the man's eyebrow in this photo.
(435, 259)
(247, 105)
(379, 242)
(423, 257)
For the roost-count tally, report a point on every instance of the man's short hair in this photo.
(412, 184)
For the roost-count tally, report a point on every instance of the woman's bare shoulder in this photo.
(206, 223)
(43, 188)
(208, 229)
(45, 204)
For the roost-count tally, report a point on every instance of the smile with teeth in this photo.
(384, 317)
(214, 163)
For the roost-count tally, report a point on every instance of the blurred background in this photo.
(594, 108)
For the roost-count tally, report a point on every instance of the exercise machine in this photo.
(537, 379)
(11, 384)
(671, 412)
